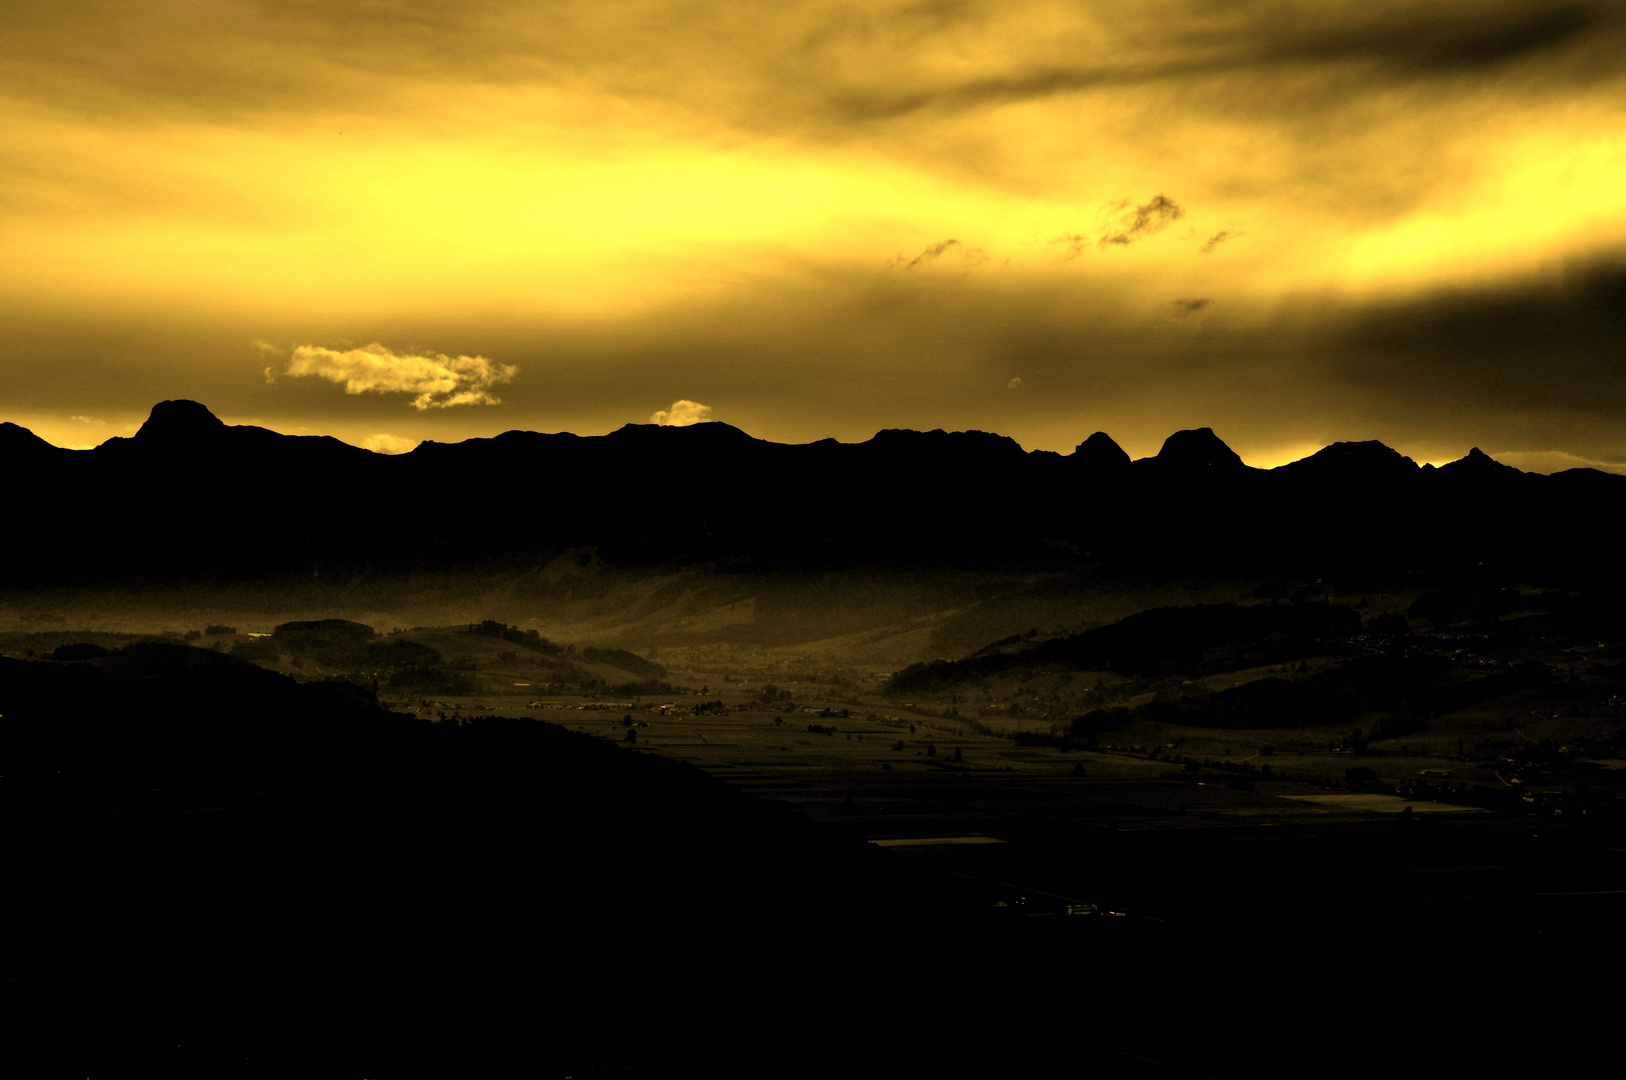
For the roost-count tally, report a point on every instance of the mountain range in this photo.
(190, 498)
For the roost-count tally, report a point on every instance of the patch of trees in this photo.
(1099, 722)
(336, 642)
(529, 639)
(317, 632)
(1188, 640)
(626, 661)
(1406, 690)
(1459, 603)
(428, 679)
(339, 644)
(255, 650)
(1169, 640)
(398, 653)
(79, 651)
(1264, 703)
(838, 677)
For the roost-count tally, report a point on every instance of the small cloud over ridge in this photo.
(682, 414)
(388, 444)
(438, 381)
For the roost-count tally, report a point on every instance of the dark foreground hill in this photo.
(213, 870)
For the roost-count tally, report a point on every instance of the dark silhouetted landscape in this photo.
(674, 750)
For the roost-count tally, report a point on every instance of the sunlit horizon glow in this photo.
(70, 435)
(1294, 225)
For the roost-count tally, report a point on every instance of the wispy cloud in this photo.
(1142, 221)
(1116, 45)
(933, 251)
(1075, 244)
(1217, 239)
(436, 380)
(682, 414)
(1123, 226)
(1185, 307)
(969, 258)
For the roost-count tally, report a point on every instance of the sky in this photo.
(1295, 222)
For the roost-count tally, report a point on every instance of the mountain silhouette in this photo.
(191, 498)
(179, 421)
(1100, 454)
(1196, 454)
(1361, 463)
(22, 450)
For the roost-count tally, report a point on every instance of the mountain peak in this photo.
(704, 428)
(1100, 453)
(1479, 463)
(1350, 461)
(1198, 450)
(178, 422)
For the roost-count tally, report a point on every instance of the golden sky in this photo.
(1295, 221)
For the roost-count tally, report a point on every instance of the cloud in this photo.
(796, 147)
(438, 381)
(1014, 384)
(1142, 221)
(969, 257)
(932, 251)
(682, 414)
(1075, 244)
(1271, 45)
(1183, 308)
(388, 444)
(1549, 343)
(1440, 42)
(1124, 229)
